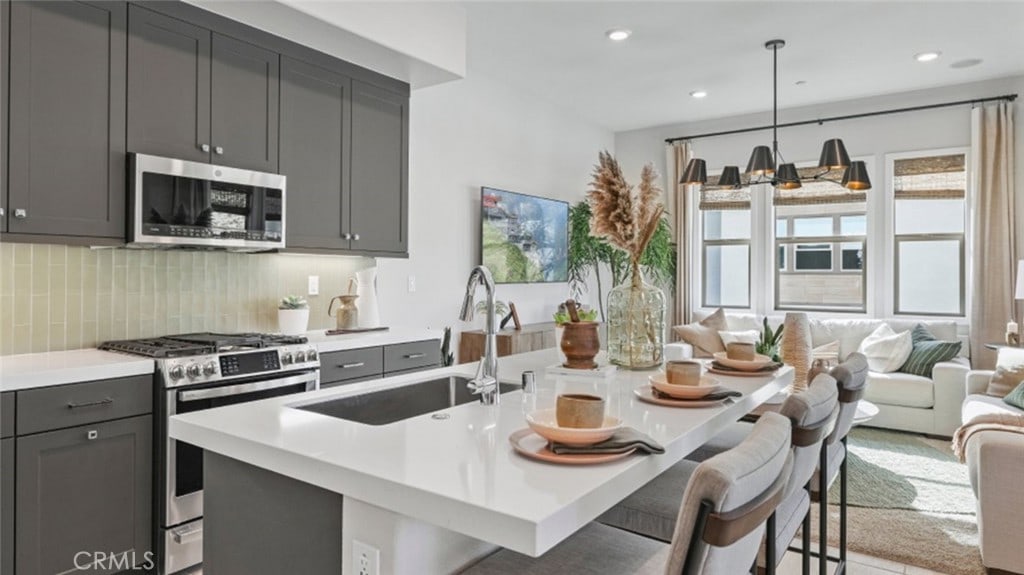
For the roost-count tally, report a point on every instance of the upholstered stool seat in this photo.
(652, 510)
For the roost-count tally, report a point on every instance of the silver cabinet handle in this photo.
(218, 150)
(20, 213)
(92, 434)
(415, 355)
(352, 365)
(104, 401)
(187, 535)
(355, 237)
(3, 212)
(205, 148)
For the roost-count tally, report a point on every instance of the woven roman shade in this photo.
(930, 177)
(717, 198)
(817, 192)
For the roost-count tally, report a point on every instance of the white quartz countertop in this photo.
(30, 370)
(460, 473)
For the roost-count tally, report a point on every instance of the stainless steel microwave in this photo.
(177, 203)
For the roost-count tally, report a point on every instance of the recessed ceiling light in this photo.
(927, 56)
(699, 94)
(618, 34)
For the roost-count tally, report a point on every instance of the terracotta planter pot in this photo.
(580, 344)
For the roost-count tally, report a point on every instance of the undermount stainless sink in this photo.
(398, 403)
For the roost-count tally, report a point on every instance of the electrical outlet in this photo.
(412, 284)
(314, 285)
(365, 559)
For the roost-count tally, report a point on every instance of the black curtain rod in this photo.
(819, 121)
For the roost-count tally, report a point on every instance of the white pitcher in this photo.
(369, 314)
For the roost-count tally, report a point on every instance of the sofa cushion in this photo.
(978, 404)
(928, 350)
(703, 334)
(885, 349)
(848, 332)
(903, 389)
(1009, 372)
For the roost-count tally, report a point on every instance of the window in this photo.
(821, 240)
(930, 211)
(725, 250)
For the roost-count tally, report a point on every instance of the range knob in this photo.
(176, 372)
(192, 370)
(210, 368)
(300, 356)
(286, 357)
(311, 355)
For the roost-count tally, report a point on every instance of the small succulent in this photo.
(769, 342)
(293, 302)
(585, 315)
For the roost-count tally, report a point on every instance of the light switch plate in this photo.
(365, 558)
(314, 285)
(412, 284)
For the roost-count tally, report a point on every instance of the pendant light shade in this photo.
(833, 155)
(787, 177)
(730, 177)
(761, 162)
(696, 172)
(856, 177)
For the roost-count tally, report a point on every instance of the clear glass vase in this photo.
(636, 324)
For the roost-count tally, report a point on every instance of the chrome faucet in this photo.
(485, 384)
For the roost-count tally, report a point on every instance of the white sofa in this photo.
(906, 402)
(995, 460)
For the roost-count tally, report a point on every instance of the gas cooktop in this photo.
(189, 344)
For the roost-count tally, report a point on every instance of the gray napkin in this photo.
(624, 440)
(709, 397)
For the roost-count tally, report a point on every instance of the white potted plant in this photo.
(293, 315)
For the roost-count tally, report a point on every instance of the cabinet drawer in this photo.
(351, 364)
(414, 355)
(7, 414)
(83, 403)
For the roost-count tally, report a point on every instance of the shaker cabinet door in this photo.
(67, 119)
(315, 131)
(84, 488)
(168, 86)
(380, 170)
(245, 87)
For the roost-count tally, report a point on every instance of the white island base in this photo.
(288, 490)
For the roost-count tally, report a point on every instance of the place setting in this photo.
(740, 360)
(684, 384)
(578, 431)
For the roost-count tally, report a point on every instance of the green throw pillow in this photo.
(1015, 397)
(927, 352)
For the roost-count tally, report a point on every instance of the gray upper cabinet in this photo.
(83, 488)
(5, 15)
(380, 170)
(245, 88)
(67, 119)
(168, 86)
(315, 132)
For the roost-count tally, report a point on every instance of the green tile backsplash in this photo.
(55, 298)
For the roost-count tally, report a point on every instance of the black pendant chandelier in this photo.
(766, 165)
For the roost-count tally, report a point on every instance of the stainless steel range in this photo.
(203, 371)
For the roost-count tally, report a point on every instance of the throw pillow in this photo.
(927, 352)
(1009, 372)
(746, 336)
(1015, 397)
(828, 352)
(703, 335)
(885, 349)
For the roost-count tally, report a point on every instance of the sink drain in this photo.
(440, 416)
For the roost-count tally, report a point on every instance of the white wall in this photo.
(466, 134)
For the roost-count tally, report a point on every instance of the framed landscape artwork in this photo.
(524, 239)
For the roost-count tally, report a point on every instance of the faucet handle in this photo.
(481, 384)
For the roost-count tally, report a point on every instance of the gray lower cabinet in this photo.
(67, 119)
(380, 170)
(84, 489)
(315, 133)
(369, 363)
(6, 507)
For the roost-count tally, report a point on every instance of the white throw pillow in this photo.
(828, 351)
(747, 336)
(886, 350)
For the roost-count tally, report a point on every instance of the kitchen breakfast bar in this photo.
(293, 489)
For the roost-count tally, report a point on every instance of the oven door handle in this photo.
(193, 395)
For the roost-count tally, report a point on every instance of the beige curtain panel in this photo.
(681, 153)
(994, 253)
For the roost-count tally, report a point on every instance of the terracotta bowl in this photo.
(544, 424)
(580, 344)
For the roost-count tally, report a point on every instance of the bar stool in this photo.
(720, 524)
(651, 511)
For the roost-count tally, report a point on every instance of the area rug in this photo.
(910, 501)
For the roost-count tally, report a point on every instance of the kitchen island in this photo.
(292, 488)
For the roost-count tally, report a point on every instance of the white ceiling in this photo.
(843, 50)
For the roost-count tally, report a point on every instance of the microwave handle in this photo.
(193, 395)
